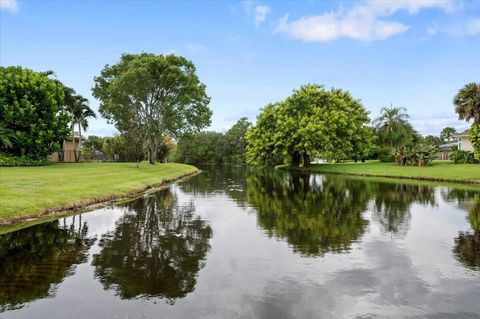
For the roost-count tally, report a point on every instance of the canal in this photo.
(244, 243)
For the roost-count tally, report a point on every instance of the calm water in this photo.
(233, 243)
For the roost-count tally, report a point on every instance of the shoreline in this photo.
(89, 204)
(314, 169)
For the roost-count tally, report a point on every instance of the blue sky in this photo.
(415, 54)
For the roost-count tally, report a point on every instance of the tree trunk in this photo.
(306, 160)
(152, 153)
(73, 141)
(79, 142)
(296, 159)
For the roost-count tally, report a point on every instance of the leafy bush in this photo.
(461, 157)
(385, 154)
(474, 136)
(419, 154)
(9, 161)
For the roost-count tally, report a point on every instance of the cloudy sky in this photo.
(415, 54)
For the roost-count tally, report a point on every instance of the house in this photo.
(463, 141)
(67, 154)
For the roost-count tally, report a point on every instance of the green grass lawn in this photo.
(438, 170)
(29, 191)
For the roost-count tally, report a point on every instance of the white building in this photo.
(463, 142)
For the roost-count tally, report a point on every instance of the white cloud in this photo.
(433, 123)
(258, 12)
(431, 31)
(261, 13)
(194, 47)
(365, 21)
(9, 5)
(473, 27)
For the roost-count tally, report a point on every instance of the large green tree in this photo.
(311, 122)
(30, 106)
(235, 139)
(154, 95)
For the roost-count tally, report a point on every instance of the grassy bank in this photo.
(33, 191)
(437, 171)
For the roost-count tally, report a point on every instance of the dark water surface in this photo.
(236, 243)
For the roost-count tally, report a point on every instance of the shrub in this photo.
(9, 161)
(474, 136)
(461, 157)
(385, 154)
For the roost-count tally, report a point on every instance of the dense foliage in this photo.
(398, 141)
(214, 147)
(461, 157)
(9, 160)
(31, 107)
(153, 96)
(467, 106)
(474, 136)
(311, 122)
(467, 102)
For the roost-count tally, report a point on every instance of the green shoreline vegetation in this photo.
(29, 192)
(443, 171)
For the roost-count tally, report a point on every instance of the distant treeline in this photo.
(214, 147)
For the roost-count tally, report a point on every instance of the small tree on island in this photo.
(154, 95)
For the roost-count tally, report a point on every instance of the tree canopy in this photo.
(467, 102)
(311, 122)
(214, 147)
(31, 109)
(467, 106)
(153, 95)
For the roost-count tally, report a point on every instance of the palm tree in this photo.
(467, 102)
(6, 136)
(447, 134)
(391, 120)
(81, 113)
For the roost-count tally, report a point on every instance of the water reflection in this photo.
(361, 237)
(34, 260)
(467, 244)
(315, 217)
(392, 202)
(156, 249)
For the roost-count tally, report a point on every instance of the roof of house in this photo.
(464, 133)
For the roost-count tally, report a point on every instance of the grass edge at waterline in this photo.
(33, 192)
(439, 171)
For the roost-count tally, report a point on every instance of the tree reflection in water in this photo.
(156, 249)
(467, 244)
(35, 259)
(313, 216)
(392, 202)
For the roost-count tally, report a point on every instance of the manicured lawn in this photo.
(28, 191)
(438, 170)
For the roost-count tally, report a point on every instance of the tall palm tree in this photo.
(391, 120)
(467, 102)
(81, 113)
(447, 134)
